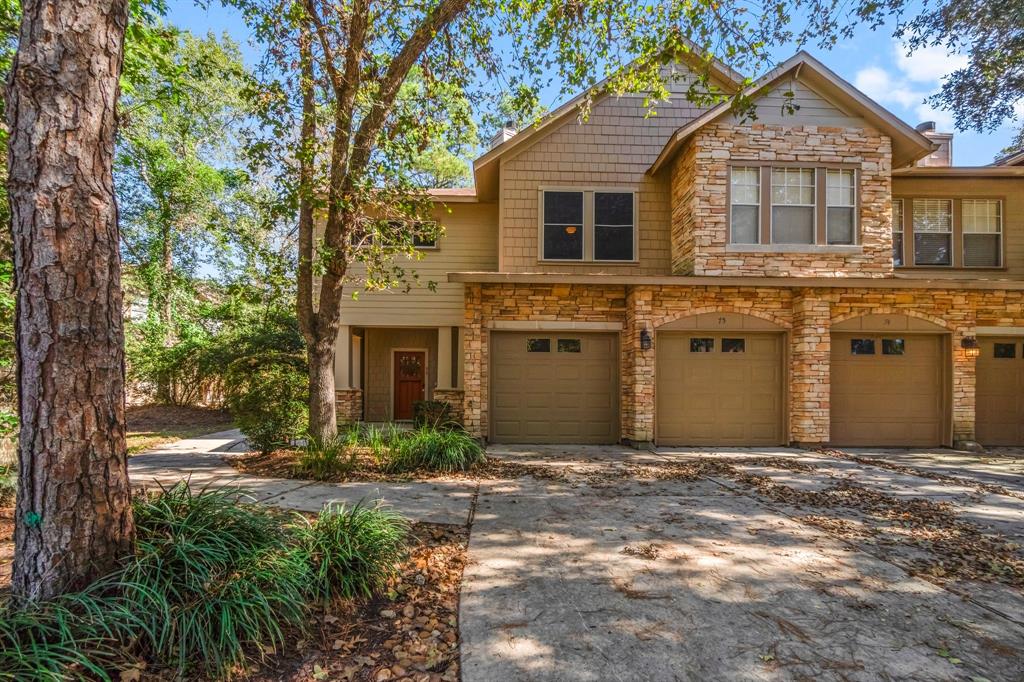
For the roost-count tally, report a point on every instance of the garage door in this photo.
(554, 388)
(888, 390)
(719, 388)
(1000, 391)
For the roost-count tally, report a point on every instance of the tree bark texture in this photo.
(74, 517)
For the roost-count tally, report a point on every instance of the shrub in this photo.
(8, 485)
(268, 398)
(435, 450)
(322, 460)
(435, 413)
(212, 578)
(57, 640)
(353, 552)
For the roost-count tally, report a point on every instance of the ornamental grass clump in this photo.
(327, 458)
(434, 449)
(353, 552)
(214, 582)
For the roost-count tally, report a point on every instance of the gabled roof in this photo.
(485, 168)
(907, 143)
(1012, 159)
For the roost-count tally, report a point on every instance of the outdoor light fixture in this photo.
(645, 340)
(970, 346)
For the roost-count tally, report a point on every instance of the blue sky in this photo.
(872, 60)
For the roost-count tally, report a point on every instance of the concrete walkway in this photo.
(581, 578)
(201, 462)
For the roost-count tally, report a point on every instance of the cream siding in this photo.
(812, 108)
(469, 244)
(613, 148)
(1010, 190)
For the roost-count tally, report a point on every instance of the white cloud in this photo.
(916, 76)
(927, 64)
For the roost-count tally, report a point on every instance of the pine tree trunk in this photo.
(74, 516)
(323, 418)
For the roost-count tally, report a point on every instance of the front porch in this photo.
(381, 372)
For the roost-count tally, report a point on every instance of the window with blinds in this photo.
(745, 197)
(933, 232)
(793, 205)
(897, 232)
(982, 223)
(841, 201)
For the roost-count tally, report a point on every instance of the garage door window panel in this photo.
(733, 345)
(982, 232)
(862, 346)
(703, 345)
(538, 345)
(569, 346)
(894, 346)
(563, 225)
(1004, 351)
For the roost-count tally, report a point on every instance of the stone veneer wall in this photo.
(349, 404)
(807, 314)
(700, 211)
(454, 397)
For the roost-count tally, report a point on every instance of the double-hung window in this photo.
(897, 232)
(933, 232)
(840, 206)
(588, 225)
(745, 197)
(793, 205)
(982, 232)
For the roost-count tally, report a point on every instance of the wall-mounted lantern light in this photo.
(970, 346)
(645, 340)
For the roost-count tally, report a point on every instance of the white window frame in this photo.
(588, 223)
(964, 231)
(898, 229)
(732, 201)
(852, 206)
(813, 206)
(951, 232)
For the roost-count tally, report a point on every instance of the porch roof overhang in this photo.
(897, 282)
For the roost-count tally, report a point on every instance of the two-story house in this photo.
(817, 275)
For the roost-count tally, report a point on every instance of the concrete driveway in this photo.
(610, 564)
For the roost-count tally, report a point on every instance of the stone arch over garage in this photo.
(726, 318)
(873, 319)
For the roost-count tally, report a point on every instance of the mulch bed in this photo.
(6, 546)
(411, 633)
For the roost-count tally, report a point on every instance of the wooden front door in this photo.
(410, 381)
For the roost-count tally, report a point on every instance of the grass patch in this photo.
(387, 450)
(213, 584)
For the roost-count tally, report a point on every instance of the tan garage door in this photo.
(1000, 391)
(554, 388)
(888, 390)
(719, 388)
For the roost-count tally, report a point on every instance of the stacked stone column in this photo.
(638, 369)
(810, 351)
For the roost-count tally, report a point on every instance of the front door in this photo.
(410, 381)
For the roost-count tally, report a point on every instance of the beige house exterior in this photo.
(818, 275)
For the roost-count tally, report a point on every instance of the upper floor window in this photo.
(933, 232)
(588, 225)
(745, 196)
(897, 232)
(793, 205)
(841, 204)
(983, 228)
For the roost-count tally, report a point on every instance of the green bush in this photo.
(435, 413)
(435, 449)
(323, 459)
(212, 578)
(212, 582)
(8, 485)
(268, 398)
(353, 552)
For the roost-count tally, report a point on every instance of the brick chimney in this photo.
(941, 157)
